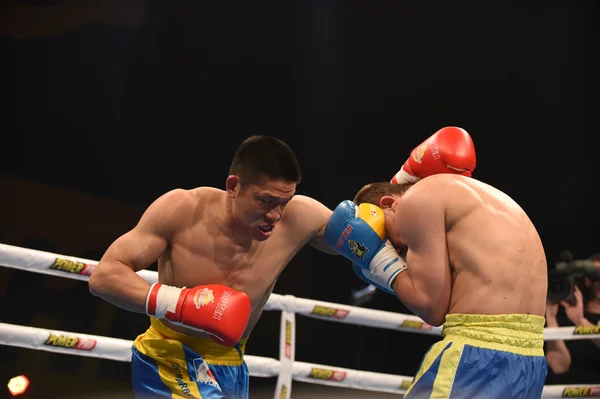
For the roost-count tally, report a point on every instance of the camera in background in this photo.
(568, 273)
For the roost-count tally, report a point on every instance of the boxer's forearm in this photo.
(118, 284)
(417, 301)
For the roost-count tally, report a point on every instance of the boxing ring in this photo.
(285, 369)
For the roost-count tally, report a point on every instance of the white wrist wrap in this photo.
(387, 265)
(404, 177)
(166, 299)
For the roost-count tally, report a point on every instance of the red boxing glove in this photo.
(215, 309)
(449, 150)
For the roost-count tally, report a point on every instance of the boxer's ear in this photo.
(387, 202)
(232, 185)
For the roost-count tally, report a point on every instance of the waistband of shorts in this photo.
(518, 333)
(211, 351)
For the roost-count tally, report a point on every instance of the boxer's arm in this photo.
(115, 279)
(426, 286)
(312, 216)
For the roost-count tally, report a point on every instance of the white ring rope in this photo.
(120, 350)
(80, 269)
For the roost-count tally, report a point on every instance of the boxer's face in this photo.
(259, 207)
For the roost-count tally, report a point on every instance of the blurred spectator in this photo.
(575, 361)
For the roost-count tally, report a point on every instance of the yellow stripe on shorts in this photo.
(442, 386)
(374, 217)
(172, 367)
(428, 360)
(212, 352)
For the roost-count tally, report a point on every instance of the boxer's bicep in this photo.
(148, 240)
(114, 278)
(423, 228)
(136, 249)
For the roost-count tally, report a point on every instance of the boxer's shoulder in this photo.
(186, 199)
(301, 206)
(306, 215)
(441, 179)
(442, 188)
(203, 202)
(180, 203)
(204, 194)
(176, 199)
(302, 202)
(432, 187)
(427, 200)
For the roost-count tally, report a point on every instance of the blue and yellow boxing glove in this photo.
(357, 232)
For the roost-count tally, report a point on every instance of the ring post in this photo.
(287, 349)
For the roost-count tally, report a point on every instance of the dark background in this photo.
(108, 104)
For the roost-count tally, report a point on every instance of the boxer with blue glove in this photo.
(358, 233)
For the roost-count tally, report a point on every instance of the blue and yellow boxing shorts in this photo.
(168, 364)
(484, 356)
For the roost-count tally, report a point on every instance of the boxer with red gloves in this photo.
(214, 309)
(449, 150)
(228, 247)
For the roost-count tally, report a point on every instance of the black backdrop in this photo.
(123, 100)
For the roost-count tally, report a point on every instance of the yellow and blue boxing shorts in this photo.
(168, 364)
(484, 356)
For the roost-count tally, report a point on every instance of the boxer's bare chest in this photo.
(204, 255)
